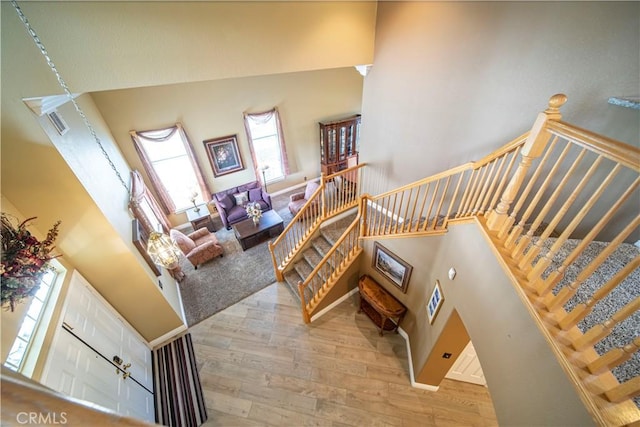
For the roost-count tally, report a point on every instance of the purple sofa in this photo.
(227, 202)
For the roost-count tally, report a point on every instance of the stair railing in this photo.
(329, 270)
(337, 193)
(578, 189)
(569, 186)
(426, 207)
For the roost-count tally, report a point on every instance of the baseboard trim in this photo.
(333, 304)
(414, 383)
(166, 337)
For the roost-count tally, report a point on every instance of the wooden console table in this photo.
(380, 305)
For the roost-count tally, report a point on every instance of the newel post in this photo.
(532, 149)
(323, 197)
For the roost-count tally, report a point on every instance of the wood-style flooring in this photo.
(261, 365)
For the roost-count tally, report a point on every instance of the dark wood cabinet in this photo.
(339, 144)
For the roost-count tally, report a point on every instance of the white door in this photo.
(91, 319)
(467, 367)
(91, 335)
(80, 372)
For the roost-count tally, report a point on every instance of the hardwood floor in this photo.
(261, 365)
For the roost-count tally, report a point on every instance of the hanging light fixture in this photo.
(162, 250)
(160, 247)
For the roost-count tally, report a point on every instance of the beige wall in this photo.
(214, 108)
(113, 45)
(452, 81)
(521, 371)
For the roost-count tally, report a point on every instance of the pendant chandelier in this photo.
(160, 247)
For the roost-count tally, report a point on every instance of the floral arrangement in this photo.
(254, 211)
(24, 260)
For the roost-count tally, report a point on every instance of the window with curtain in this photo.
(168, 159)
(266, 142)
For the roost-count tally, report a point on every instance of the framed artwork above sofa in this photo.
(224, 155)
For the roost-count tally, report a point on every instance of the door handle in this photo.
(67, 326)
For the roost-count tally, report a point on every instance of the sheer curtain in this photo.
(261, 118)
(161, 135)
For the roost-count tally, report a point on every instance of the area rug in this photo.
(177, 388)
(225, 281)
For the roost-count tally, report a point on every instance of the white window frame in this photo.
(274, 166)
(40, 319)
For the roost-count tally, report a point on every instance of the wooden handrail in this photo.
(555, 182)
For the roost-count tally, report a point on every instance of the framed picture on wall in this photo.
(391, 266)
(435, 302)
(224, 155)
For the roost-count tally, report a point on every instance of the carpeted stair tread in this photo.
(303, 268)
(333, 231)
(312, 256)
(291, 279)
(321, 244)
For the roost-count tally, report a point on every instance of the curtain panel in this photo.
(161, 135)
(261, 118)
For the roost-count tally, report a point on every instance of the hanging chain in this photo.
(64, 87)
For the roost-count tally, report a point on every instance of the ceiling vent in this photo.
(58, 122)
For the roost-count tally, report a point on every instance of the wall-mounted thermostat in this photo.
(452, 273)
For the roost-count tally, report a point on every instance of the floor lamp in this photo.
(264, 176)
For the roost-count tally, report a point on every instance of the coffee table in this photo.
(248, 234)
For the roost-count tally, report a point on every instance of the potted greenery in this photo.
(25, 259)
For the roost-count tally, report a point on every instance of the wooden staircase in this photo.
(313, 254)
(555, 184)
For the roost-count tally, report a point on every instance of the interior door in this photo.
(82, 360)
(467, 367)
(92, 320)
(78, 371)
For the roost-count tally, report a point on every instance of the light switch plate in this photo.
(452, 273)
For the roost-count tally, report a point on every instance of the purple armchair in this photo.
(231, 203)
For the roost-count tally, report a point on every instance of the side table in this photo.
(380, 305)
(201, 218)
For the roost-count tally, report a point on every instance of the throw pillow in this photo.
(241, 198)
(226, 202)
(311, 188)
(255, 194)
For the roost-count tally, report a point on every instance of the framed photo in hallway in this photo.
(392, 267)
(435, 302)
(224, 155)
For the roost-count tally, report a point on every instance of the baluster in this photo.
(431, 200)
(515, 232)
(478, 190)
(453, 199)
(581, 310)
(424, 201)
(535, 249)
(413, 211)
(599, 331)
(398, 217)
(490, 185)
(614, 357)
(502, 183)
(468, 192)
(439, 209)
(407, 220)
(568, 291)
(545, 261)
(533, 148)
(624, 391)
